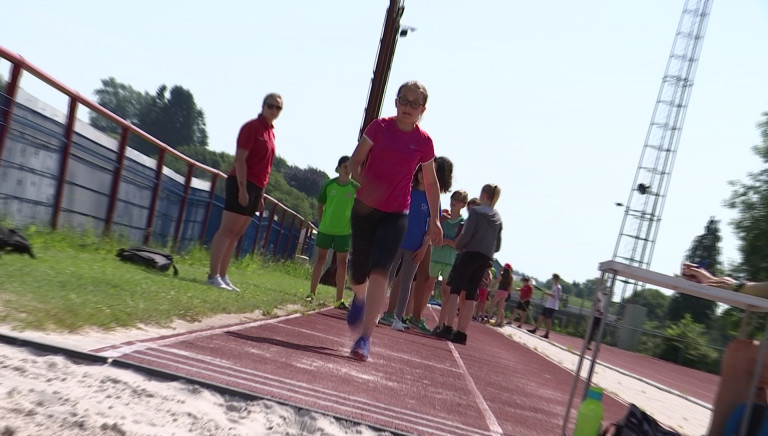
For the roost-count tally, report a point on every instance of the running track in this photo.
(412, 383)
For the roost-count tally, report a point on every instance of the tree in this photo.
(653, 300)
(704, 251)
(750, 199)
(685, 342)
(120, 99)
(172, 118)
(308, 180)
(175, 120)
(279, 189)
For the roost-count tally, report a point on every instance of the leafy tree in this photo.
(704, 251)
(750, 199)
(120, 99)
(653, 300)
(589, 286)
(174, 119)
(685, 342)
(308, 180)
(279, 189)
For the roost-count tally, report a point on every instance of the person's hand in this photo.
(445, 214)
(695, 273)
(419, 254)
(435, 233)
(242, 197)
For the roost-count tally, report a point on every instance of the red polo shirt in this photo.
(258, 137)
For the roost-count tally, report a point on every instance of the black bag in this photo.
(637, 423)
(12, 241)
(148, 257)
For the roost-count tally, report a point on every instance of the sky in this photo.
(549, 100)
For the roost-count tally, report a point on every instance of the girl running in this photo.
(384, 163)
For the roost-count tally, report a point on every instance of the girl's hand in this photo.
(418, 255)
(435, 232)
(242, 197)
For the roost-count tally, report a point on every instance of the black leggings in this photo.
(376, 237)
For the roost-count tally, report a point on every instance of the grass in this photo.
(78, 282)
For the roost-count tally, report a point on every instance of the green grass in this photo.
(78, 282)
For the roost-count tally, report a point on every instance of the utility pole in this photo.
(386, 53)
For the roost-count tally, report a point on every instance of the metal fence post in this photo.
(66, 153)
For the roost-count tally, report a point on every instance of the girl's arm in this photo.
(241, 175)
(432, 188)
(358, 158)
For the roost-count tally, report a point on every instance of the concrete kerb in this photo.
(609, 367)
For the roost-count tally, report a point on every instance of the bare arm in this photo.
(433, 197)
(242, 176)
(358, 158)
(320, 209)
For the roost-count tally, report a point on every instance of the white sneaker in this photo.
(398, 325)
(217, 282)
(226, 281)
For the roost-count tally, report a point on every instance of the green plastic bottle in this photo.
(590, 418)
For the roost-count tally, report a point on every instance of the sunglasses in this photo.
(273, 106)
(414, 104)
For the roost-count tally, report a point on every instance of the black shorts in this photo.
(523, 305)
(376, 238)
(231, 202)
(548, 312)
(468, 273)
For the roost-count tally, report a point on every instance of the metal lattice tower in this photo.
(642, 215)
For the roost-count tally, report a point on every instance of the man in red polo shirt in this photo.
(245, 187)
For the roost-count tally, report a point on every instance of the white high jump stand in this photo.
(611, 269)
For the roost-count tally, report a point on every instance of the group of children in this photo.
(384, 208)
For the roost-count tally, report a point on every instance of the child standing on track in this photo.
(482, 296)
(526, 292)
(480, 238)
(500, 298)
(415, 245)
(334, 207)
(550, 307)
(384, 163)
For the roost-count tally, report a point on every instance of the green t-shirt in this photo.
(338, 200)
(446, 254)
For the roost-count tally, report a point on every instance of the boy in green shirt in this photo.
(334, 211)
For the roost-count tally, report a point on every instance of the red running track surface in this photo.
(412, 383)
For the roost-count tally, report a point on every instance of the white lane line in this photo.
(487, 414)
(303, 391)
(126, 349)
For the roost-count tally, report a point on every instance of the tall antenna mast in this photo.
(642, 215)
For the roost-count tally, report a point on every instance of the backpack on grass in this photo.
(148, 257)
(12, 241)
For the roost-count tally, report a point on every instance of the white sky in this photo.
(550, 100)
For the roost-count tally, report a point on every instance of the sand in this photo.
(52, 395)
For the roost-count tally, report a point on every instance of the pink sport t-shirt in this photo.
(392, 160)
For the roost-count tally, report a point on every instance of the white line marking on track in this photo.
(127, 349)
(487, 414)
(304, 391)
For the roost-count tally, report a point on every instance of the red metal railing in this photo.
(19, 64)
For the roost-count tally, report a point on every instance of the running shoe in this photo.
(398, 325)
(446, 332)
(387, 319)
(356, 311)
(226, 281)
(310, 297)
(341, 305)
(459, 338)
(545, 335)
(217, 282)
(419, 325)
(361, 348)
